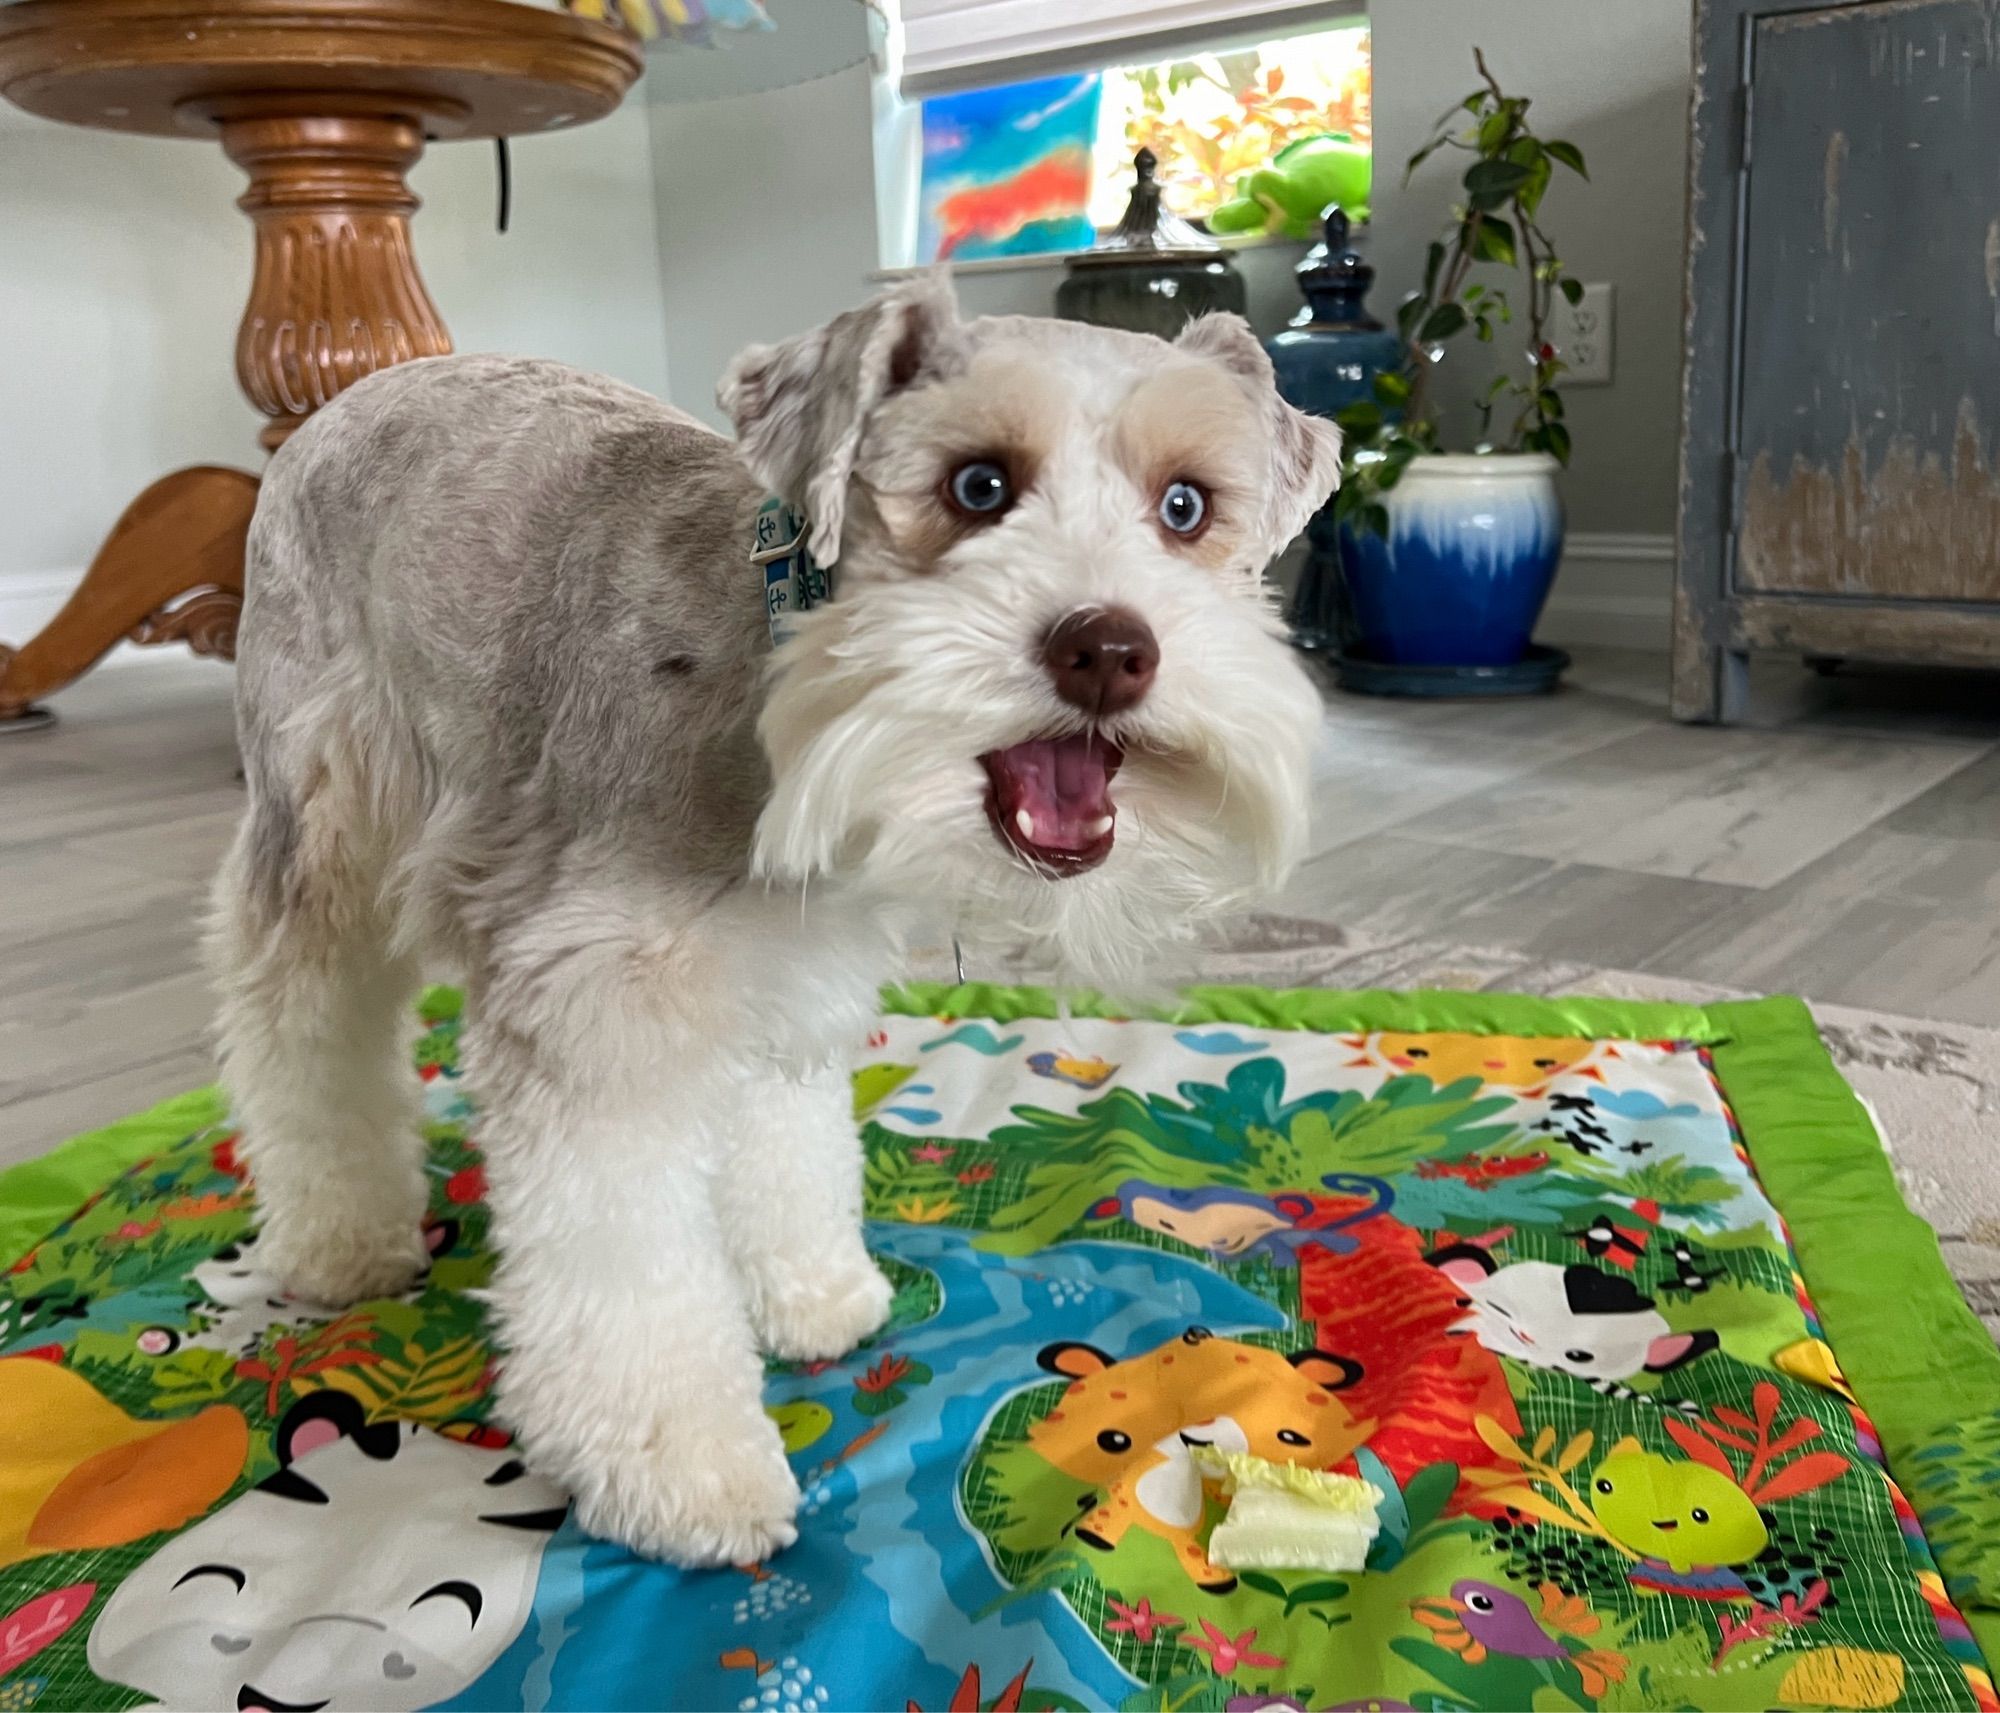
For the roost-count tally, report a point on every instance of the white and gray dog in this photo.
(509, 706)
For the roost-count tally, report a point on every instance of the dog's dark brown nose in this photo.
(1102, 660)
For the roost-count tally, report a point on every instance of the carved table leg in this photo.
(336, 296)
(171, 571)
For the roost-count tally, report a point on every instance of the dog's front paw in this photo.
(701, 1500)
(818, 1319)
(337, 1264)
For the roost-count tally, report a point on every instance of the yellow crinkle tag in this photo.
(1282, 1517)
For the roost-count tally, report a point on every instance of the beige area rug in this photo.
(1934, 1087)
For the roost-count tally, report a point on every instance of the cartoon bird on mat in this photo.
(1093, 1072)
(1479, 1619)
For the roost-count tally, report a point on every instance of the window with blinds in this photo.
(947, 45)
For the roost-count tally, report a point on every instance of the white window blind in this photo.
(955, 44)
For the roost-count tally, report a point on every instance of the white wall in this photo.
(123, 269)
(123, 265)
(775, 230)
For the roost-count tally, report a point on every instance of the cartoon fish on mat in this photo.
(1093, 1072)
(1688, 1522)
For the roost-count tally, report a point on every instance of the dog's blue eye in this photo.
(1183, 508)
(981, 489)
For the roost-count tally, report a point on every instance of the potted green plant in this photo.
(1449, 556)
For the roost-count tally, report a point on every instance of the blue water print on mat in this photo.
(1642, 1104)
(879, 1532)
(913, 1114)
(979, 1038)
(1219, 1041)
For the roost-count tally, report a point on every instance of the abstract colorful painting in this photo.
(1007, 171)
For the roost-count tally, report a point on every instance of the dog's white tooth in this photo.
(1025, 822)
(1101, 826)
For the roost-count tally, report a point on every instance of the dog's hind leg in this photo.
(315, 1029)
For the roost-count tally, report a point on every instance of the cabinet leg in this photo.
(170, 571)
(1711, 684)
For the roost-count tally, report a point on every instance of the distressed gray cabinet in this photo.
(1840, 452)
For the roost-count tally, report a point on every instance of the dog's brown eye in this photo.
(1184, 508)
(980, 489)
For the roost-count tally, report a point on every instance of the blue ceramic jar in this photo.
(1326, 360)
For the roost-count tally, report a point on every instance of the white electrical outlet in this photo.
(1583, 337)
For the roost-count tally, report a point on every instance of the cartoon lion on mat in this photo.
(1128, 1429)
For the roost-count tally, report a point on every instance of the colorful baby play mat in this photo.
(1670, 1402)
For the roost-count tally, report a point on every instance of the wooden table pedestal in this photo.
(326, 105)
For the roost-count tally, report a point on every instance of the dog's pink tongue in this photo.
(1054, 794)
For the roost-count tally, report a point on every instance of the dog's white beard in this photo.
(883, 703)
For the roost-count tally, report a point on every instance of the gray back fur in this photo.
(520, 596)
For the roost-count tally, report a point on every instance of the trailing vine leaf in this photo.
(1441, 324)
(1495, 242)
(1569, 154)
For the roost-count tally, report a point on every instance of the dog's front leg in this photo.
(629, 1365)
(788, 1195)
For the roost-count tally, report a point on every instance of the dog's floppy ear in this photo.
(800, 406)
(1305, 450)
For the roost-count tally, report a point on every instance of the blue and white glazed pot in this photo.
(1460, 578)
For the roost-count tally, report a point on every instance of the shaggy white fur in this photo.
(506, 703)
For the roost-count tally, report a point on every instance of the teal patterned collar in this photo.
(793, 582)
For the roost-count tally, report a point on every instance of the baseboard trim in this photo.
(1614, 589)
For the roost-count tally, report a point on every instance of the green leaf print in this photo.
(1244, 1134)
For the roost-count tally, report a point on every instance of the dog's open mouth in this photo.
(1050, 801)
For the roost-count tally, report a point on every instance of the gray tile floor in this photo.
(1844, 843)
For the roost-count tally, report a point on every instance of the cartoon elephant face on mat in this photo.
(383, 1566)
